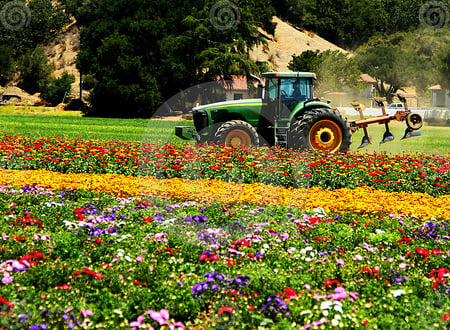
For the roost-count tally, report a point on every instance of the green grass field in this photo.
(434, 139)
(156, 131)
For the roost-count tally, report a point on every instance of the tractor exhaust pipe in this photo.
(260, 86)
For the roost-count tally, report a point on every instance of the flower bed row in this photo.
(84, 259)
(274, 166)
(363, 200)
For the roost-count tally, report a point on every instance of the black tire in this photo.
(320, 129)
(235, 133)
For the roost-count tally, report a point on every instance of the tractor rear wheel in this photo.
(236, 133)
(320, 129)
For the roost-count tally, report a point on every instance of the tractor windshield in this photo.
(298, 89)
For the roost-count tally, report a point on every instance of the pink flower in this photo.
(138, 322)
(358, 257)
(403, 265)
(140, 258)
(353, 295)
(340, 293)
(86, 312)
(340, 262)
(162, 318)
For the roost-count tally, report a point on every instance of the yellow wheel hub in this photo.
(325, 135)
(237, 138)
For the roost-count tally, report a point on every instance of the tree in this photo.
(335, 70)
(35, 69)
(6, 62)
(351, 23)
(307, 61)
(150, 51)
(55, 90)
(123, 88)
(404, 59)
(387, 65)
(25, 26)
(444, 68)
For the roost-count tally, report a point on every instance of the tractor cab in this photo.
(289, 88)
(284, 94)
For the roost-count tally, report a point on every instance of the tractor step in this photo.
(281, 132)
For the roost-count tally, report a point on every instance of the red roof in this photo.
(436, 87)
(239, 83)
(368, 79)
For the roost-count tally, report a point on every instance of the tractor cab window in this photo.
(272, 88)
(296, 89)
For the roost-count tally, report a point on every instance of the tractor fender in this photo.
(302, 107)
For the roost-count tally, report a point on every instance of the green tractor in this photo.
(284, 114)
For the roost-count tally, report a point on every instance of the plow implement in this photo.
(413, 121)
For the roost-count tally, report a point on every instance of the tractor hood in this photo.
(248, 110)
(231, 104)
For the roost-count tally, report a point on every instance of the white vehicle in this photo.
(396, 106)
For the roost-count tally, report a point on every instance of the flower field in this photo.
(107, 235)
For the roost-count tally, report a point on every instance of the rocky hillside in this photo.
(62, 52)
(288, 40)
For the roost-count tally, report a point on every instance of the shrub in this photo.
(35, 69)
(56, 90)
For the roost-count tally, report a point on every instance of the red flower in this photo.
(225, 309)
(170, 250)
(423, 252)
(436, 252)
(331, 282)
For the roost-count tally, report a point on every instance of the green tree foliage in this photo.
(25, 26)
(308, 61)
(404, 59)
(335, 70)
(444, 68)
(35, 70)
(351, 23)
(388, 66)
(6, 63)
(148, 51)
(55, 90)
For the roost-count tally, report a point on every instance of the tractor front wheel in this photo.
(237, 133)
(320, 129)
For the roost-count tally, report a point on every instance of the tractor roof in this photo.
(289, 74)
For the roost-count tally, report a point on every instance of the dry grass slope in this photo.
(287, 41)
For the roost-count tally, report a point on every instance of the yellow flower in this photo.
(364, 200)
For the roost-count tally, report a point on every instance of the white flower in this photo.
(397, 293)
(334, 322)
(338, 306)
(326, 304)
